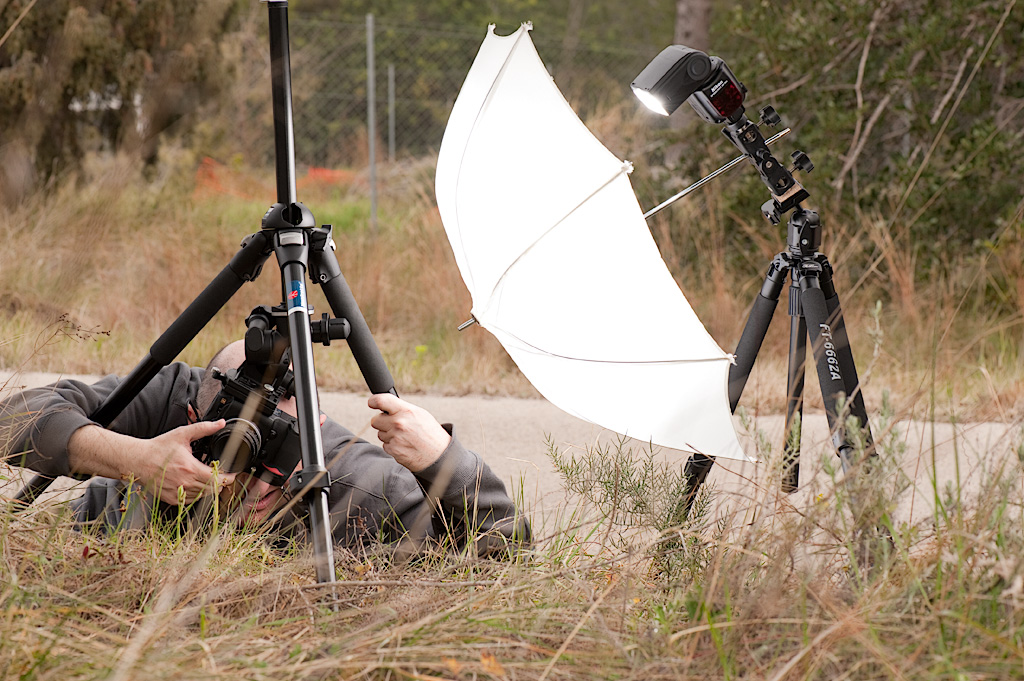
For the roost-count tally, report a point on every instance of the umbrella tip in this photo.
(468, 323)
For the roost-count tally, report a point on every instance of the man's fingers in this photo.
(210, 480)
(207, 481)
(385, 402)
(191, 479)
(196, 431)
(382, 421)
(225, 479)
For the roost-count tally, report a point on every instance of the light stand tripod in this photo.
(289, 231)
(683, 74)
(814, 311)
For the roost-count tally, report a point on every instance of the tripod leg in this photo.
(243, 267)
(326, 271)
(292, 254)
(834, 359)
(756, 327)
(695, 472)
(794, 394)
(846, 363)
(826, 359)
(699, 465)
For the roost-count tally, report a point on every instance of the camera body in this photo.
(258, 437)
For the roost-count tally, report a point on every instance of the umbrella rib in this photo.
(624, 169)
(476, 119)
(527, 343)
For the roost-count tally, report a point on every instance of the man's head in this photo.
(230, 356)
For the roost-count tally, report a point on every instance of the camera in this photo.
(258, 437)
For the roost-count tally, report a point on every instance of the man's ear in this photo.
(192, 416)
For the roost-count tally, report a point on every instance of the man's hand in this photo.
(409, 433)
(163, 464)
(167, 464)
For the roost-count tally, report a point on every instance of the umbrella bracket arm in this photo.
(786, 191)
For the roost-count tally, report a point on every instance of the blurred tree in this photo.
(693, 29)
(77, 75)
(693, 24)
(912, 111)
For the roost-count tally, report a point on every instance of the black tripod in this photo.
(289, 231)
(814, 312)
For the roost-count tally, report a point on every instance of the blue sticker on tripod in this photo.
(296, 299)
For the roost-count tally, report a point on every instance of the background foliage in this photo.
(912, 113)
(912, 110)
(82, 75)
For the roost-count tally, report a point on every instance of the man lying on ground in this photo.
(423, 485)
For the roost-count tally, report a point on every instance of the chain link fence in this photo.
(418, 73)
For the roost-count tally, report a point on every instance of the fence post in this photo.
(371, 118)
(391, 113)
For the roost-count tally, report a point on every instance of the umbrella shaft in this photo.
(704, 180)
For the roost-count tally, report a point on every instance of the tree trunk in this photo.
(573, 26)
(693, 27)
(693, 24)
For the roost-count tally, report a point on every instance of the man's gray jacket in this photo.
(372, 497)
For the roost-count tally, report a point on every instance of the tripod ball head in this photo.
(804, 232)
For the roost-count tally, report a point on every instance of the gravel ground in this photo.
(511, 435)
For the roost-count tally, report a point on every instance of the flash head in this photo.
(679, 74)
(668, 81)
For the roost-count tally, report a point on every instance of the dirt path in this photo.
(511, 435)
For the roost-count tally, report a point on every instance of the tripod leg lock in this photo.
(327, 329)
(775, 279)
(309, 479)
(323, 269)
(795, 308)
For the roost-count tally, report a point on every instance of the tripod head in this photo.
(681, 73)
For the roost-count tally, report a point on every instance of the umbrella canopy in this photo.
(562, 269)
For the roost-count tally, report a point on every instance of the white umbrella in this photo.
(552, 244)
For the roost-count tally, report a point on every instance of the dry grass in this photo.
(119, 255)
(804, 591)
(792, 593)
(125, 257)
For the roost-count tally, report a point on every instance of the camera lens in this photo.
(236, 445)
